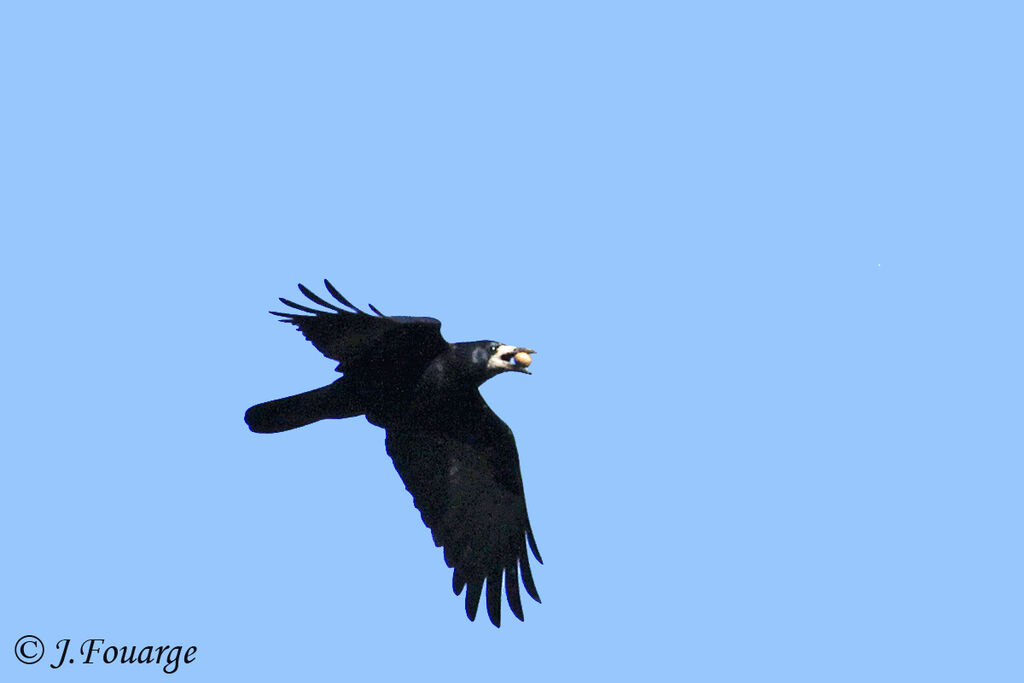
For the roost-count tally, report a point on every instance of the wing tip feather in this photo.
(317, 299)
(512, 591)
(341, 299)
(533, 544)
(528, 584)
(473, 591)
(494, 598)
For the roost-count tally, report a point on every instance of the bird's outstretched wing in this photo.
(355, 338)
(463, 474)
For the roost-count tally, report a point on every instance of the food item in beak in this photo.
(523, 358)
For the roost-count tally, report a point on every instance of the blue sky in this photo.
(769, 256)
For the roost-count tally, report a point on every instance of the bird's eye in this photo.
(494, 348)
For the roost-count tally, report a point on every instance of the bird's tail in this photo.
(302, 409)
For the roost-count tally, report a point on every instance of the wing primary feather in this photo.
(494, 597)
(473, 597)
(374, 309)
(307, 309)
(512, 589)
(458, 583)
(449, 558)
(531, 588)
(533, 544)
(337, 295)
(313, 296)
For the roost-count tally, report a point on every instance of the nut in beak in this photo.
(522, 359)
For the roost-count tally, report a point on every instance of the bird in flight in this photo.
(455, 456)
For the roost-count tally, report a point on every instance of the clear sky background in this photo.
(769, 254)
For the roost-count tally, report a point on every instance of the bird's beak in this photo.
(507, 358)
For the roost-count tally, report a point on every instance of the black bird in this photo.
(455, 456)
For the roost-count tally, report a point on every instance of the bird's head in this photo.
(490, 358)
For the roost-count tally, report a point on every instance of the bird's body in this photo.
(456, 457)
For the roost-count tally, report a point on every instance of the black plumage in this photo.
(456, 457)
